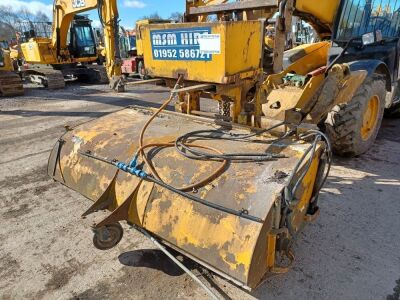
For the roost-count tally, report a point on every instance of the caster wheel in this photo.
(108, 236)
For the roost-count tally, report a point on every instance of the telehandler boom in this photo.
(233, 189)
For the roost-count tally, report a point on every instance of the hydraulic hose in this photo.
(289, 193)
(183, 147)
(142, 132)
(196, 185)
(141, 174)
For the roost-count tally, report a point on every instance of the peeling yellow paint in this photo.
(193, 229)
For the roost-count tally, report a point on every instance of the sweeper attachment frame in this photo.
(231, 198)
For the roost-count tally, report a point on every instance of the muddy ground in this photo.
(351, 252)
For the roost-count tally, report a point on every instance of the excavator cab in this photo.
(82, 40)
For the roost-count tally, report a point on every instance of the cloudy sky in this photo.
(129, 10)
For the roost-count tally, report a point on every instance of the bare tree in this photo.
(25, 15)
(153, 16)
(14, 19)
(41, 17)
(7, 32)
(176, 16)
(8, 16)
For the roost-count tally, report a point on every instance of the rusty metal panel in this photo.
(232, 245)
(171, 50)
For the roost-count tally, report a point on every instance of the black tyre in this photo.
(353, 127)
(108, 236)
(393, 112)
(394, 98)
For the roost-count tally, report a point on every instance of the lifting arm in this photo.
(63, 14)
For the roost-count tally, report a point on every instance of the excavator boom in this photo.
(58, 53)
(64, 12)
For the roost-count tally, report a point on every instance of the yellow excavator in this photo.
(72, 46)
(10, 81)
(232, 188)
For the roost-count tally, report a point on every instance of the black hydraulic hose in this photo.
(184, 149)
(329, 158)
(333, 62)
(313, 148)
(232, 136)
(288, 194)
(244, 157)
(318, 135)
(242, 214)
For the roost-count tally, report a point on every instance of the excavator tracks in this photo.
(49, 78)
(54, 80)
(10, 84)
(98, 75)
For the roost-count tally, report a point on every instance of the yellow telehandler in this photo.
(232, 189)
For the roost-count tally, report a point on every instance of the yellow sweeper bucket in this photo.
(242, 247)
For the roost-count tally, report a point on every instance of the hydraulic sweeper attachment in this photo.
(229, 197)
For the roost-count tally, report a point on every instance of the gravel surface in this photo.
(351, 252)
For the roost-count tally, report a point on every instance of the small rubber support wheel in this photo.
(107, 237)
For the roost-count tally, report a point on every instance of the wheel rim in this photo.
(108, 237)
(370, 118)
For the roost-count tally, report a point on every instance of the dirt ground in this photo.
(351, 252)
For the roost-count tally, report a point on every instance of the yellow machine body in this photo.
(41, 51)
(10, 82)
(38, 50)
(324, 12)
(16, 53)
(240, 250)
(237, 69)
(238, 48)
(6, 63)
(55, 51)
(139, 38)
